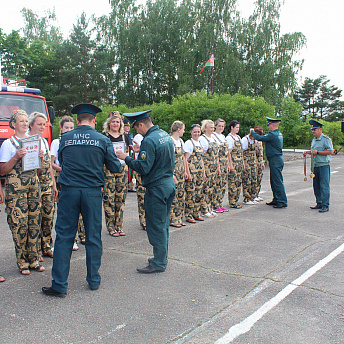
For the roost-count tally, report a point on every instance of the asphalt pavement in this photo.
(252, 275)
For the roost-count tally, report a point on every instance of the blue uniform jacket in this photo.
(274, 143)
(156, 157)
(82, 155)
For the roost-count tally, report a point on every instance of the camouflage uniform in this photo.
(249, 178)
(177, 209)
(140, 194)
(260, 164)
(210, 158)
(235, 178)
(194, 188)
(116, 190)
(23, 209)
(46, 184)
(221, 180)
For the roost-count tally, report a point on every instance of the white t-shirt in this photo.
(245, 141)
(138, 139)
(178, 143)
(54, 148)
(230, 139)
(7, 151)
(205, 143)
(188, 146)
(219, 137)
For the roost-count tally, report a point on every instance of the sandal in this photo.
(183, 224)
(144, 227)
(114, 233)
(40, 259)
(177, 226)
(75, 246)
(24, 271)
(2, 279)
(121, 233)
(82, 241)
(191, 220)
(49, 254)
(237, 206)
(39, 268)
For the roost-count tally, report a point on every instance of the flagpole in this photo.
(212, 80)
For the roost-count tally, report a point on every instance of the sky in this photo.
(319, 20)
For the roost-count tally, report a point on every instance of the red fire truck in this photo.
(15, 95)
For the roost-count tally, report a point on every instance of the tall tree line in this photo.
(141, 54)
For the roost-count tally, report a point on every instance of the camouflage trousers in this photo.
(116, 190)
(220, 189)
(140, 194)
(48, 206)
(234, 184)
(259, 179)
(249, 182)
(209, 191)
(23, 209)
(194, 196)
(177, 209)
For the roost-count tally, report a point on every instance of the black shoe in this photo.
(279, 206)
(316, 207)
(271, 203)
(149, 260)
(52, 292)
(323, 210)
(94, 288)
(148, 270)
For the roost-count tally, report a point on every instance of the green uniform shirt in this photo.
(83, 152)
(274, 142)
(156, 157)
(323, 143)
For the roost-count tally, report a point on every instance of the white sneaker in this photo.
(254, 202)
(260, 199)
(75, 246)
(214, 214)
(249, 203)
(256, 199)
(208, 215)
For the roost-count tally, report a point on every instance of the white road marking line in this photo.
(334, 172)
(246, 325)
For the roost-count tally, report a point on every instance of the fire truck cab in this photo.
(15, 95)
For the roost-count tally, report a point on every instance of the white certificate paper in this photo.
(31, 160)
(119, 146)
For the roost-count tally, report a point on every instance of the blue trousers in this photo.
(72, 202)
(276, 181)
(321, 185)
(158, 202)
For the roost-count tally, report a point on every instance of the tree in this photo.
(320, 100)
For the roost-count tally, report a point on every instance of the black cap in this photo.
(86, 108)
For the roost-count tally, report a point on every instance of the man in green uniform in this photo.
(155, 164)
(273, 149)
(82, 154)
(321, 150)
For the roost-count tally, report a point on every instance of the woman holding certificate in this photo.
(115, 190)
(23, 195)
(37, 122)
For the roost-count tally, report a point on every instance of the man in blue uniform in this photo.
(155, 164)
(321, 150)
(82, 154)
(273, 149)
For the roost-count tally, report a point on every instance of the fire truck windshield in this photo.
(10, 102)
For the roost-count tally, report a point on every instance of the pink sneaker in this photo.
(218, 210)
(224, 209)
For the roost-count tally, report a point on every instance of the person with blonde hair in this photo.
(211, 166)
(115, 190)
(23, 196)
(47, 183)
(221, 180)
(181, 173)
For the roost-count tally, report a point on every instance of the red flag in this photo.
(210, 63)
